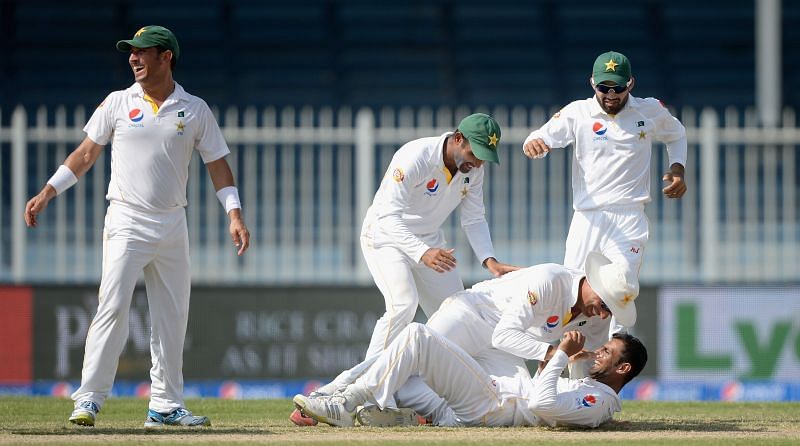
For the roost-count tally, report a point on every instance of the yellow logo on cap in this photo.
(611, 65)
(139, 33)
(627, 299)
(493, 139)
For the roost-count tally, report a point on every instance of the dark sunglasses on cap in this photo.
(618, 89)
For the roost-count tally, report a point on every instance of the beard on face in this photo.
(612, 109)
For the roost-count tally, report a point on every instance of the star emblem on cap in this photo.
(611, 65)
(493, 139)
(626, 300)
(141, 30)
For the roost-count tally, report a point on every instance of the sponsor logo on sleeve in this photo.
(432, 187)
(589, 400)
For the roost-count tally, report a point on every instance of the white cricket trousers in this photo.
(158, 244)
(447, 369)
(618, 232)
(404, 284)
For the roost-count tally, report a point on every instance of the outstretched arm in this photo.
(75, 166)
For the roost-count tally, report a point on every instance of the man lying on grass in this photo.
(476, 398)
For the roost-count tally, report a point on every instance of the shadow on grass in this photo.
(681, 425)
(89, 431)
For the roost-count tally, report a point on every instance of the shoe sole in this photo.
(374, 417)
(150, 425)
(300, 404)
(82, 420)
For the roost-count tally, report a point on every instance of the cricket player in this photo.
(503, 321)
(478, 398)
(402, 240)
(153, 127)
(612, 133)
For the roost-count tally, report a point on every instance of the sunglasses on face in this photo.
(618, 89)
(605, 307)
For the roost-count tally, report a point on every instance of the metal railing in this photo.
(307, 175)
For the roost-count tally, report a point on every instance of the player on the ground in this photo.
(478, 398)
(154, 126)
(612, 133)
(402, 240)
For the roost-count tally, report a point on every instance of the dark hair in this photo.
(174, 60)
(634, 354)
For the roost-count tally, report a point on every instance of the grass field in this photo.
(44, 421)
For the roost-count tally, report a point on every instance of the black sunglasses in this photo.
(605, 307)
(618, 89)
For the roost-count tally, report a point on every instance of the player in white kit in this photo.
(612, 134)
(503, 321)
(154, 126)
(478, 398)
(401, 237)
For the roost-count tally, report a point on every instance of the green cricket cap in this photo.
(150, 36)
(612, 67)
(483, 134)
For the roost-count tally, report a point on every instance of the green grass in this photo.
(44, 421)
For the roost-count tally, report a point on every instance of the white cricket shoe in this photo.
(374, 416)
(326, 409)
(84, 413)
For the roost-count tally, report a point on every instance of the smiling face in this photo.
(607, 360)
(464, 158)
(592, 304)
(149, 65)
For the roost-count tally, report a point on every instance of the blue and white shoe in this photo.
(84, 413)
(178, 417)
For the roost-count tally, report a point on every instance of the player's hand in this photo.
(439, 260)
(572, 342)
(536, 148)
(498, 269)
(239, 233)
(37, 204)
(675, 187)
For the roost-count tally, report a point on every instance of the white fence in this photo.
(306, 177)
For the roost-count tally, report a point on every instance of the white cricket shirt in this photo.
(533, 308)
(571, 402)
(151, 151)
(611, 161)
(416, 196)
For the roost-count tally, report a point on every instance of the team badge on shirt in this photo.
(589, 400)
(179, 127)
(532, 297)
(398, 175)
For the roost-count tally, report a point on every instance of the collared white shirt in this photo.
(151, 150)
(418, 194)
(532, 308)
(571, 402)
(611, 161)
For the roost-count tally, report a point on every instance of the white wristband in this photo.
(63, 179)
(229, 197)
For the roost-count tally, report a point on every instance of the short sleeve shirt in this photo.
(151, 149)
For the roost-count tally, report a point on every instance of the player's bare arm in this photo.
(222, 177)
(79, 162)
(535, 148)
(676, 186)
(439, 260)
(497, 268)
